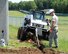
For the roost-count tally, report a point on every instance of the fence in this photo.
(15, 21)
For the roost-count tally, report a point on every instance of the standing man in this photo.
(53, 29)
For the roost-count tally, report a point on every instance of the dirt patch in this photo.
(25, 50)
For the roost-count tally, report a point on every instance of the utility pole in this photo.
(4, 25)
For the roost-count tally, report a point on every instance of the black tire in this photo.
(21, 34)
(18, 34)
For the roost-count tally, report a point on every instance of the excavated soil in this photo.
(24, 50)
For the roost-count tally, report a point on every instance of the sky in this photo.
(19, 0)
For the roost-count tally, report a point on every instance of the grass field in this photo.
(16, 13)
(63, 33)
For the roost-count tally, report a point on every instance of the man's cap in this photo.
(50, 11)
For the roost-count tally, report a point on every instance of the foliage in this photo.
(22, 5)
(60, 6)
(13, 6)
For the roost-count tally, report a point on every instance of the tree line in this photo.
(60, 6)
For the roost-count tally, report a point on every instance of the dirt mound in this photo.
(25, 50)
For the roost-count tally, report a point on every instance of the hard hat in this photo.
(51, 10)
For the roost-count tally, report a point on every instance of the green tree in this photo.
(21, 5)
(13, 6)
(27, 5)
(60, 6)
(31, 5)
(10, 5)
(39, 4)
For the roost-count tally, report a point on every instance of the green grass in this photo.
(13, 32)
(62, 36)
(16, 13)
(13, 42)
